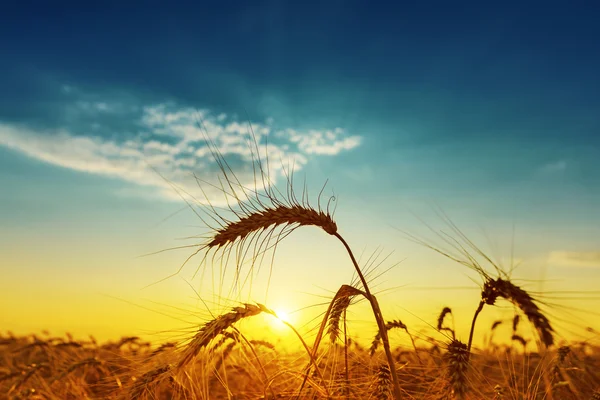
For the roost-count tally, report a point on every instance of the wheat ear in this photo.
(495, 288)
(339, 304)
(458, 362)
(215, 327)
(381, 388)
(149, 378)
(331, 319)
(300, 215)
(440, 321)
(254, 217)
(271, 217)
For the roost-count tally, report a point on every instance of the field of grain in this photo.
(231, 367)
(221, 361)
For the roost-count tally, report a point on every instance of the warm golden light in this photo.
(280, 321)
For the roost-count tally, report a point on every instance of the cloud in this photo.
(172, 141)
(574, 259)
(554, 167)
(329, 142)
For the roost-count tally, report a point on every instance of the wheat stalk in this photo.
(256, 214)
(258, 221)
(392, 325)
(300, 215)
(331, 319)
(493, 289)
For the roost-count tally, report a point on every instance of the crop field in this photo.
(234, 367)
(221, 360)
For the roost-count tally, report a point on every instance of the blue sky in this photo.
(487, 110)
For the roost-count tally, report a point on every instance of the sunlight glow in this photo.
(282, 318)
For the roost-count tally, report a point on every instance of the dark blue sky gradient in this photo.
(487, 111)
(468, 82)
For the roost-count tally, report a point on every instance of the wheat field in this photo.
(220, 360)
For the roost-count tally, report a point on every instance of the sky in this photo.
(485, 111)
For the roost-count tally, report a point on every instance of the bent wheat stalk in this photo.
(257, 214)
(389, 326)
(378, 318)
(503, 288)
(299, 215)
(463, 251)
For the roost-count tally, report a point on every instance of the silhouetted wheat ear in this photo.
(213, 328)
(263, 219)
(496, 324)
(457, 358)
(494, 288)
(341, 301)
(515, 323)
(563, 352)
(520, 339)
(596, 395)
(389, 325)
(440, 321)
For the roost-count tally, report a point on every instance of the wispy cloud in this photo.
(328, 142)
(574, 259)
(554, 167)
(173, 141)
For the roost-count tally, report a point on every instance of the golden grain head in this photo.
(457, 359)
(217, 326)
(340, 302)
(495, 288)
(382, 386)
(271, 217)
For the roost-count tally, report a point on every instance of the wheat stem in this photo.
(378, 318)
(479, 308)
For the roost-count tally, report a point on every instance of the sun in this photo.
(282, 317)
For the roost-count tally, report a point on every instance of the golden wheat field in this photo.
(43, 367)
(299, 200)
(224, 360)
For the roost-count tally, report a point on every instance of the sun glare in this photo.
(282, 318)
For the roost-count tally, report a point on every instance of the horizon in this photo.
(401, 115)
